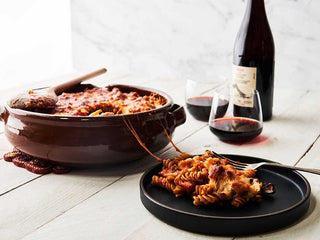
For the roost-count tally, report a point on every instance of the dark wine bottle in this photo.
(253, 61)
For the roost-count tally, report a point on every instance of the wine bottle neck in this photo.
(256, 10)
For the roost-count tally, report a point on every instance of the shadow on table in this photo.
(259, 140)
(129, 168)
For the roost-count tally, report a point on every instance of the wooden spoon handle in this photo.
(64, 86)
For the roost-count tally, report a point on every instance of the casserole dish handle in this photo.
(178, 114)
(3, 113)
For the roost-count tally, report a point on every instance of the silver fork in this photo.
(244, 166)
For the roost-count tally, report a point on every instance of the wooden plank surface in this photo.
(114, 213)
(38, 202)
(108, 219)
(105, 203)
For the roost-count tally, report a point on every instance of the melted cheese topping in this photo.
(102, 102)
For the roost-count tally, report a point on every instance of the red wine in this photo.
(253, 60)
(200, 107)
(235, 128)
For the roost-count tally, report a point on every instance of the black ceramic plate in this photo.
(287, 205)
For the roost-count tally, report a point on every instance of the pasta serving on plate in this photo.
(208, 179)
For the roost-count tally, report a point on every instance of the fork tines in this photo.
(238, 165)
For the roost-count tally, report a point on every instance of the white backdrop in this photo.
(180, 38)
(151, 38)
(35, 42)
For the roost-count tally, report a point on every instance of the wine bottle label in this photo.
(243, 84)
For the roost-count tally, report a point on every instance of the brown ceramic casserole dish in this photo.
(91, 141)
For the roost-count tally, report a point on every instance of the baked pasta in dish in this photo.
(104, 102)
(208, 179)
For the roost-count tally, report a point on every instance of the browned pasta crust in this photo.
(104, 102)
(209, 180)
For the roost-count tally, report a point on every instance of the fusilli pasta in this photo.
(208, 179)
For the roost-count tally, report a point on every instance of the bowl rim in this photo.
(26, 113)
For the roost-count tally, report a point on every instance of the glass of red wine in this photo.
(234, 123)
(199, 95)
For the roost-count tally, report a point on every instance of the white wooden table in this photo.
(105, 203)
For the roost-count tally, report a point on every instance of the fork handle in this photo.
(310, 170)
